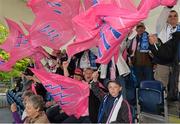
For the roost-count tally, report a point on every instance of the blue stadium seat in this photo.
(151, 99)
(152, 84)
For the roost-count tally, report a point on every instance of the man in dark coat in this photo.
(169, 53)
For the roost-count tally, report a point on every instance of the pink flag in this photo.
(106, 24)
(35, 5)
(70, 94)
(151, 4)
(92, 29)
(52, 26)
(85, 5)
(17, 44)
(27, 26)
(3, 66)
(168, 2)
(37, 56)
(13, 39)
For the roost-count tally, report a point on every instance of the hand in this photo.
(95, 76)
(153, 39)
(13, 107)
(130, 63)
(65, 64)
(61, 111)
(48, 104)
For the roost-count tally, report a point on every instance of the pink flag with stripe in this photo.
(17, 44)
(13, 39)
(70, 94)
(93, 30)
(52, 26)
(106, 24)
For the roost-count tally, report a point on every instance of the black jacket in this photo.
(169, 53)
(124, 114)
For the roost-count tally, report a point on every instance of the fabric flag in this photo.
(70, 94)
(93, 30)
(98, 26)
(15, 33)
(52, 26)
(35, 5)
(3, 66)
(85, 5)
(151, 4)
(38, 56)
(26, 26)
(1, 60)
(17, 44)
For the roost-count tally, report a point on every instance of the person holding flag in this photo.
(113, 108)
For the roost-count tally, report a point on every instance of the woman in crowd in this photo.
(34, 110)
(16, 116)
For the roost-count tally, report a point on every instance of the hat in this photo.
(141, 24)
(78, 71)
(114, 81)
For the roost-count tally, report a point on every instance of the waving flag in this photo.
(35, 5)
(52, 26)
(1, 60)
(38, 56)
(94, 28)
(3, 66)
(13, 39)
(17, 44)
(106, 24)
(27, 26)
(85, 5)
(70, 94)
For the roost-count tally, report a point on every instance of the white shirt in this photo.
(163, 29)
(166, 33)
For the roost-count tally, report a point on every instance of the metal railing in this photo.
(3, 100)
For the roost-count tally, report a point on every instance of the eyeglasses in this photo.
(170, 16)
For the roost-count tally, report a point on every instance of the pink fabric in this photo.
(151, 4)
(35, 5)
(27, 26)
(38, 56)
(85, 5)
(12, 40)
(92, 31)
(33, 88)
(17, 44)
(70, 94)
(52, 26)
(113, 72)
(120, 15)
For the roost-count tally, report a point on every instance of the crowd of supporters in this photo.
(113, 97)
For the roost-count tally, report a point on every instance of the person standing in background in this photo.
(167, 24)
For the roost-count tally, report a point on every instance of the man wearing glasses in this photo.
(167, 24)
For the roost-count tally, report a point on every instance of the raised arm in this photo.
(98, 92)
(162, 19)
